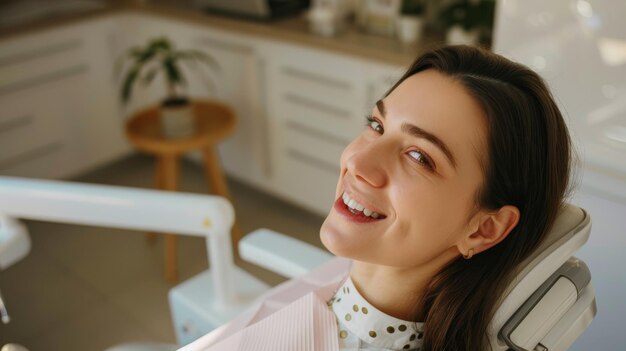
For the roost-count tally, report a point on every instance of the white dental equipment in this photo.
(231, 288)
(548, 305)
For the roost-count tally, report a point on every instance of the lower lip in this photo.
(355, 217)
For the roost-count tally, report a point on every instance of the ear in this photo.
(492, 228)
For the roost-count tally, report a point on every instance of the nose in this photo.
(366, 163)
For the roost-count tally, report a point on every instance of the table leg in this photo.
(219, 187)
(169, 178)
(158, 184)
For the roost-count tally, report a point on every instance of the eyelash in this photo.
(427, 163)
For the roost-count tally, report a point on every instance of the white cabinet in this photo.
(54, 114)
(297, 107)
(239, 82)
(317, 106)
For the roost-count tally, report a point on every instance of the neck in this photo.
(395, 291)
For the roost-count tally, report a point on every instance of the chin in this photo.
(336, 241)
(328, 237)
(331, 238)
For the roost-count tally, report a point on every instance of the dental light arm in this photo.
(119, 207)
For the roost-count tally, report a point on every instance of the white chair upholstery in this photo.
(546, 307)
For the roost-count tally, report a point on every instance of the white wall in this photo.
(579, 48)
(605, 254)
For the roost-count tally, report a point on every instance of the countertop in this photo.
(293, 30)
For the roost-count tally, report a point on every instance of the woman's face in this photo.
(417, 165)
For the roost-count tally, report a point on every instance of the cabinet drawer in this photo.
(33, 118)
(308, 181)
(317, 146)
(343, 124)
(319, 90)
(52, 160)
(323, 86)
(24, 67)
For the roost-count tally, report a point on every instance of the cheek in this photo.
(429, 219)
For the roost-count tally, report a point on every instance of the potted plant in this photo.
(467, 21)
(411, 21)
(146, 62)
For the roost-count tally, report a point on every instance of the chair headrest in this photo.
(569, 222)
(568, 233)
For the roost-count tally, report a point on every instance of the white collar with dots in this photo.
(372, 325)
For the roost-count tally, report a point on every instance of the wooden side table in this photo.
(214, 122)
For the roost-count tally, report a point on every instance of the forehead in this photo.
(441, 105)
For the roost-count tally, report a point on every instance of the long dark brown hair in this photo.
(528, 166)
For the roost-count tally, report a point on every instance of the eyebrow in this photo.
(418, 132)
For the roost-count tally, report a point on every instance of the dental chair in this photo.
(548, 305)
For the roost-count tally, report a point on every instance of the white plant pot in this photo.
(409, 28)
(456, 35)
(177, 121)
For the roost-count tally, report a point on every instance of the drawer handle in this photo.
(316, 78)
(317, 133)
(15, 123)
(31, 154)
(314, 161)
(299, 100)
(45, 78)
(40, 52)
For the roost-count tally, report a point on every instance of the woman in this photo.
(456, 178)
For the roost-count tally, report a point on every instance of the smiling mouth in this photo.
(359, 210)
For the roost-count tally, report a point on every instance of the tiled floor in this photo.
(88, 288)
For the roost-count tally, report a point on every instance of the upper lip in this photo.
(360, 199)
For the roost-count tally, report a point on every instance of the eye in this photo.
(421, 158)
(374, 124)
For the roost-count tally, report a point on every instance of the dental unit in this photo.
(547, 306)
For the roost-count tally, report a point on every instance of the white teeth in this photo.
(355, 206)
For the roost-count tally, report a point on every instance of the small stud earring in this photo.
(469, 255)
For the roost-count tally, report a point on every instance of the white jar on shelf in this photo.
(409, 28)
(325, 21)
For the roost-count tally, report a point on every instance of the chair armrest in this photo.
(280, 253)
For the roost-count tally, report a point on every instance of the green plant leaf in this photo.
(468, 14)
(174, 76)
(161, 51)
(128, 83)
(413, 7)
(149, 76)
(160, 44)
